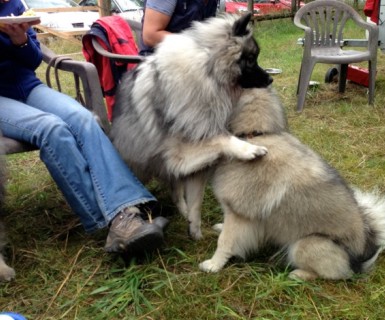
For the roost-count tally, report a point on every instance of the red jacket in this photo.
(371, 10)
(114, 34)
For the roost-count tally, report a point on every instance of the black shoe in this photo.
(130, 234)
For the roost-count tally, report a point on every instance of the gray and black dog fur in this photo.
(185, 93)
(6, 272)
(291, 198)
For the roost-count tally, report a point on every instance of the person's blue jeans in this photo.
(88, 170)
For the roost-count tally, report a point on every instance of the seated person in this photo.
(88, 170)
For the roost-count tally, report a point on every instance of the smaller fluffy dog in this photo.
(291, 198)
(6, 272)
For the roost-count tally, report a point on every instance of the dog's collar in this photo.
(250, 135)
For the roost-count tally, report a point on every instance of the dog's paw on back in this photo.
(244, 150)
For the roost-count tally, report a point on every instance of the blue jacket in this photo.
(18, 64)
(186, 11)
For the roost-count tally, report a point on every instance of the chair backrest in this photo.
(136, 27)
(325, 20)
(109, 46)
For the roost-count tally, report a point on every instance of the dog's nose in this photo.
(270, 80)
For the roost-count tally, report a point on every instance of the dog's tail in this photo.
(373, 205)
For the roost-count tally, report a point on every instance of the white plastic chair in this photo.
(323, 22)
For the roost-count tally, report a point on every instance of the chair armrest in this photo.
(90, 80)
(372, 29)
(113, 56)
(136, 27)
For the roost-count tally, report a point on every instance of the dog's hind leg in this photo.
(178, 196)
(194, 187)
(239, 236)
(318, 256)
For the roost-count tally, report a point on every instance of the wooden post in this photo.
(293, 6)
(104, 7)
(250, 6)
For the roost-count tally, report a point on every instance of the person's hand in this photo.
(17, 32)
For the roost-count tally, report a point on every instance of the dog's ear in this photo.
(240, 26)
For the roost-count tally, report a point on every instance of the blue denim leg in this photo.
(95, 181)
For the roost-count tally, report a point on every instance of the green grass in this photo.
(63, 273)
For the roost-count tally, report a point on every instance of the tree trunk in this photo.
(104, 7)
(250, 5)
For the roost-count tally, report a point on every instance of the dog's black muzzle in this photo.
(255, 77)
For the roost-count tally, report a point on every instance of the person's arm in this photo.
(154, 27)
(17, 33)
(24, 44)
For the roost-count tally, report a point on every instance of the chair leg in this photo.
(303, 83)
(372, 79)
(342, 78)
(299, 78)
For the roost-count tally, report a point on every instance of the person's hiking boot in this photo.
(131, 234)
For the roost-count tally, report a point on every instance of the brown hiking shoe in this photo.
(131, 234)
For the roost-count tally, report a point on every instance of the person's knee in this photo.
(82, 119)
(52, 131)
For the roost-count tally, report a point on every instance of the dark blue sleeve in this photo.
(29, 56)
(211, 8)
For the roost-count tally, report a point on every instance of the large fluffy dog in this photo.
(291, 198)
(185, 93)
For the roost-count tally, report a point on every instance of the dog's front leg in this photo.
(243, 150)
(194, 187)
(237, 237)
(224, 251)
(184, 158)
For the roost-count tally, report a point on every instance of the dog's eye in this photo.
(250, 61)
